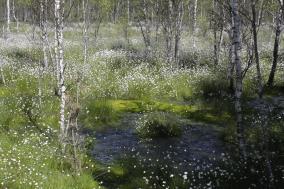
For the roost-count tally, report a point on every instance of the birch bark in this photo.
(255, 43)
(276, 48)
(178, 28)
(43, 27)
(59, 12)
(14, 15)
(194, 23)
(8, 15)
(238, 67)
(85, 30)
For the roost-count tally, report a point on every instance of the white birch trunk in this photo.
(194, 23)
(43, 26)
(178, 29)
(8, 15)
(14, 15)
(128, 12)
(59, 12)
(85, 30)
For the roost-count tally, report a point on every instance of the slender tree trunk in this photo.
(116, 10)
(178, 28)
(59, 12)
(85, 30)
(43, 27)
(3, 32)
(239, 82)
(33, 26)
(146, 29)
(40, 83)
(256, 54)
(128, 12)
(25, 15)
(194, 23)
(14, 15)
(231, 64)
(260, 13)
(169, 33)
(8, 15)
(218, 30)
(275, 50)
(2, 75)
(215, 30)
(231, 69)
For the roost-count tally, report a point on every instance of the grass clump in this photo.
(158, 124)
(99, 113)
(28, 55)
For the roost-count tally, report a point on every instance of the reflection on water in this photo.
(197, 159)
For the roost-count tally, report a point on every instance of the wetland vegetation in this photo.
(150, 94)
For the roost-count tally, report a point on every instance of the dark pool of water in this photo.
(197, 159)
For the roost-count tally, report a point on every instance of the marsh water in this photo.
(199, 158)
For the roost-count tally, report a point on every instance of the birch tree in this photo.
(2, 71)
(178, 26)
(218, 28)
(86, 24)
(145, 24)
(14, 15)
(59, 51)
(172, 22)
(238, 67)
(194, 23)
(278, 30)
(43, 27)
(254, 27)
(8, 14)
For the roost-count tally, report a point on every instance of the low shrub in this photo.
(158, 124)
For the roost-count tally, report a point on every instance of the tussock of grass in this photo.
(158, 124)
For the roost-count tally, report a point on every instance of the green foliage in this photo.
(158, 124)
(28, 138)
(20, 55)
(20, 98)
(30, 160)
(139, 106)
(196, 58)
(98, 113)
(213, 84)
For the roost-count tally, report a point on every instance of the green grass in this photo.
(158, 124)
(28, 141)
(30, 160)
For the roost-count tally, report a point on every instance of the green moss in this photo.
(148, 106)
(125, 105)
(109, 112)
(117, 170)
